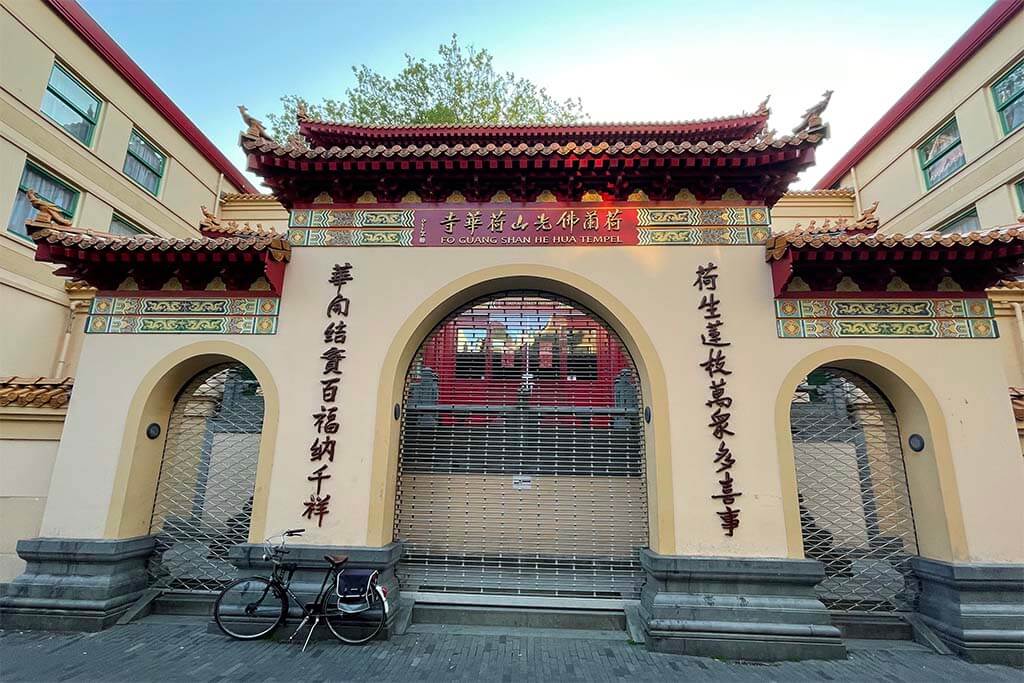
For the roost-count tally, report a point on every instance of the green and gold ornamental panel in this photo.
(911, 318)
(534, 225)
(205, 315)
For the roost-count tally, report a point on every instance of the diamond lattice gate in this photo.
(855, 511)
(522, 455)
(204, 493)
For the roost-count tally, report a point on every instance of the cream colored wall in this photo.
(28, 449)
(890, 173)
(802, 207)
(267, 212)
(966, 376)
(32, 36)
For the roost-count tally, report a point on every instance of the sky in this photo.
(628, 60)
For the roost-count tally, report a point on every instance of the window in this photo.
(942, 155)
(121, 226)
(71, 105)
(1008, 93)
(47, 187)
(1020, 194)
(144, 163)
(964, 223)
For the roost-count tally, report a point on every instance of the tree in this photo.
(461, 87)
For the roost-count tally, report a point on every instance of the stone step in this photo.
(185, 604)
(869, 626)
(519, 617)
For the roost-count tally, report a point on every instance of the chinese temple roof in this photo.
(328, 134)
(212, 226)
(35, 392)
(705, 158)
(239, 258)
(818, 257)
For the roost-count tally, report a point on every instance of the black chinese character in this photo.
(341, 274)
(724, 458)
(329, 389)
(322, 449)
(333, 357)
(336, 333)
(319, 477)
(326, 421)
(317, 506)
(707, 277)
(338, 306)
(715, 364)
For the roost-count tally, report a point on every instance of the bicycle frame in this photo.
(281, 579)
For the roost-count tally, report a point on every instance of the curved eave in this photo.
(743, 126)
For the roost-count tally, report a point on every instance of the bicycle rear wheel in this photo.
(359, 627)
(250, 608)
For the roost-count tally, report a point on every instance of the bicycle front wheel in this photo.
(356, 628)
(250, 608)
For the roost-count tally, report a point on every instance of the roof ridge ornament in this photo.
(297, 141)
(867, 220)
(209, 220)
(301, 112)
(255, 126)
(46, 212)
(763, 109)
(811, 120)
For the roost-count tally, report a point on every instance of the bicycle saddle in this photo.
(336, 560)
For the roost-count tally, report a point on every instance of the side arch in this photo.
(139, 461)
(933, 489)
(434, 308)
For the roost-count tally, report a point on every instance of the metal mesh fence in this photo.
(855, 511)
(204, 492)
(522, 464)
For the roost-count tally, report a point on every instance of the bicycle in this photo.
(355, 610)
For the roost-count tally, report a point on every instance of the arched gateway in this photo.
(203, 503)
(522, 467)
(855, 511)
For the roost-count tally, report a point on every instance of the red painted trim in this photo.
(997, 16)
(99, 40)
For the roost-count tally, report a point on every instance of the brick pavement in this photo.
(153, 650)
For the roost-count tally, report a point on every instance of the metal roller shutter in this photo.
(203, 503)
(522, 455)
(855, 510)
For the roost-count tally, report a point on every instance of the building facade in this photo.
(598, 367)
(88, 130)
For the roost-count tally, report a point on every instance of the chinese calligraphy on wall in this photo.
(507, 225)
(719, 401)
(326, 421)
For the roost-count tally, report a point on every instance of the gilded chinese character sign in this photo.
(528, 225)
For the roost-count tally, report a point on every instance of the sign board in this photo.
(529, 225)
